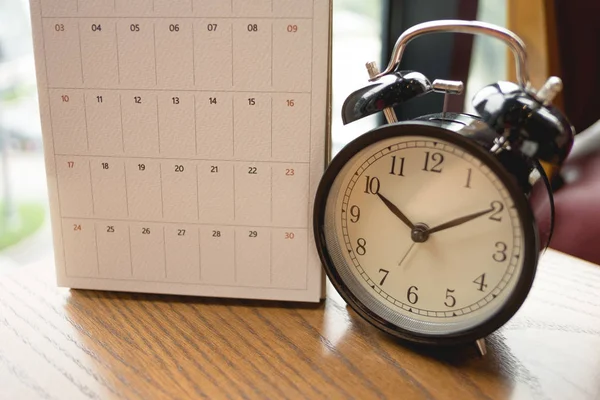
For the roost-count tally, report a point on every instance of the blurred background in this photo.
(362, 31)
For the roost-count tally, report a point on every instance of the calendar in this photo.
(184, 140)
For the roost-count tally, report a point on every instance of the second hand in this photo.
(407, 253)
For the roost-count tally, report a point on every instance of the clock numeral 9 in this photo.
(361, 248)
(372, 185)
(500, 254)
(436, 158)
(355, 213)
(450, 300)
(497, 207)
(412, 295)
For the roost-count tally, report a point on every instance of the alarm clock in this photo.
(431, 229)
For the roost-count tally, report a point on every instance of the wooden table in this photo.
(61, 344)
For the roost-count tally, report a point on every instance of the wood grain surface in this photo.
(75, 344)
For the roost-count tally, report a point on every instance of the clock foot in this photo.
(480, 343)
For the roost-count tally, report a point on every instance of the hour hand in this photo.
(396, 211)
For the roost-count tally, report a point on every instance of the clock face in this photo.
(425, 234)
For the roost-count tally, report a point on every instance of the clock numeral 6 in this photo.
(412, 295)
(355, 213)
(497, 207)
(450, 300)
(361, 248)
(372, 185)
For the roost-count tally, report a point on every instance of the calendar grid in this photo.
(142, 100)
(275, 18)
(229, 91)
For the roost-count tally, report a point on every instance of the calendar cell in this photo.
(103, 112)
(174, 54)
(148, 251)
(173, 7)
(99, 52)
(291, 130)
(144, 192)
(109, 188)
(137, 8)
(217, 255)
(212, 8)
(140, 123)
(252, 126)
(216, 189)
(63, 55)
(252, 54)
(59, 8)
(68, 121)
(252, 193)
(290, 195)
(79, 243)
(114, 251)
(137, 58)
(176, 124)
(289, 258)
(213, 54)
(180, 191)
(255, 8)
(293, 8)
(97, 7)
(253, 262)
(74, 186)
(214, 125)
(292, 60)
(183, 253)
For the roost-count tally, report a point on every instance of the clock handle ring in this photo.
(457, 26)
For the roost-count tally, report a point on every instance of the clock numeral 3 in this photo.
(355, 213)
(498, 207)
(400, 169)
(450, 300)
(372, 185)
(481, 282)
(361, 248)
(412, 295)
(436, 160)
(500, 254)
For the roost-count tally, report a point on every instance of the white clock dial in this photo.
(428, 231)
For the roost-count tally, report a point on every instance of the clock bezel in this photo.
(525, 215)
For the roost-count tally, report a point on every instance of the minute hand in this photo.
(458, 221)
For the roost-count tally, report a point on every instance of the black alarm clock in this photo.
(429, 228)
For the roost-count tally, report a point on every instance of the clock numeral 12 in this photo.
(436, 158)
